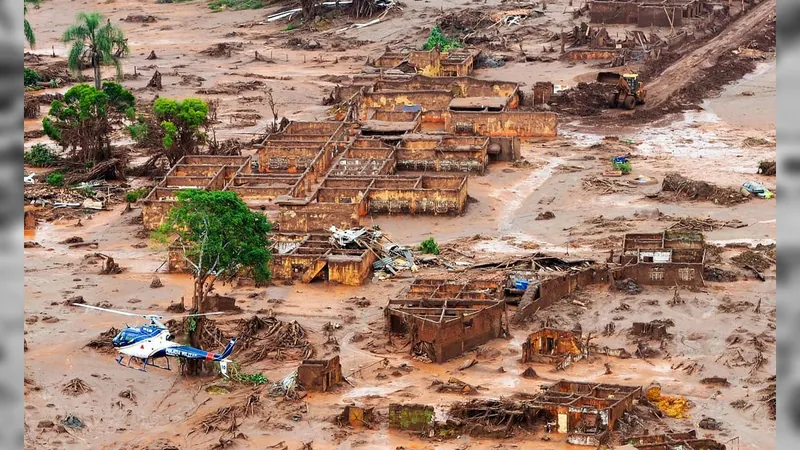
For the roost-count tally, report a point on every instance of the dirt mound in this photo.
(585, 99)
(700, 190)
(222, 49)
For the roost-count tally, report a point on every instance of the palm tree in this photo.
(29, 36)
(93, 39)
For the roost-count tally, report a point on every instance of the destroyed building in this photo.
(443, 319)
(674, 441)
(664, 259)
(454, 63)
(339, 256)
(317, 174)
(587, 412)
(460, 105)
(550, 343)
(319, 375)
(644, 13)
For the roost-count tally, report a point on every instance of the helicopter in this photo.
(155, 341)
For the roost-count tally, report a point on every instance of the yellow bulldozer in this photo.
(630, 91)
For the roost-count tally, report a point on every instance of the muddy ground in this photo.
(717, 328)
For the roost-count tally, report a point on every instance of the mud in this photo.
(129, 409)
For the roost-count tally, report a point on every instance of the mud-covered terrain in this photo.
(78, 397)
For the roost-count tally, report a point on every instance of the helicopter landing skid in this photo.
(146, 363)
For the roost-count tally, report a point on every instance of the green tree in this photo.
(84, 120)
(182, 124)
(29, 36)
(221, 239)
(101, 43)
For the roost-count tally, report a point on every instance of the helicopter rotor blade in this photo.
(124, 313)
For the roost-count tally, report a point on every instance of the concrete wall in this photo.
(667, 275)
(154, 213)
(523, 124)
(350, 270)
(566, 343)
(657, 16)
(551, 290)
(317, 217)
(410, 417)
(590, 55)
(457, 336)
(613, 12)
(320, 375)
(430, 99)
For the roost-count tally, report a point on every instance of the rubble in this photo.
(585, 99)
(701, 190)
(76, 387)
(222, 49)
(767, 168)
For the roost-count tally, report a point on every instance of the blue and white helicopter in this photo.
(155, 341)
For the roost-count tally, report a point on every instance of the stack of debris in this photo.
(700, 190)
(585, 99)
(391, 258)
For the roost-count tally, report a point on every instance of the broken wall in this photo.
(456, 336)
(549, 291)
(319, 375)
(565, 343)
(524, 124)
(430, 99)
(350, 270)
(667, 275)
(410, 417)
(317, 217)
(659, 16)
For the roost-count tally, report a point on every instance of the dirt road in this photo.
(690, 67)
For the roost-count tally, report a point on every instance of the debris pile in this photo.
(750, 259)
(700, 190)
(489, 417)
(392, 258)
(585, 99)
(456, 386)
(76, 387)
(222, 49)
(263, 337)
(767, 168)
(696, 224)
(103, 343)
(672, 406)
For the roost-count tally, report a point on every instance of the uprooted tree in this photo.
(179, 127)
(85, 119)
(222, 240)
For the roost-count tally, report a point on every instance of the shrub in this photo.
(40, 155)
(625, 167)
(255, 379)
(55, 179)
(439, 39)
(235, 5)
(31, 77)
(133, 196)
(138, 132)
(429, 246)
